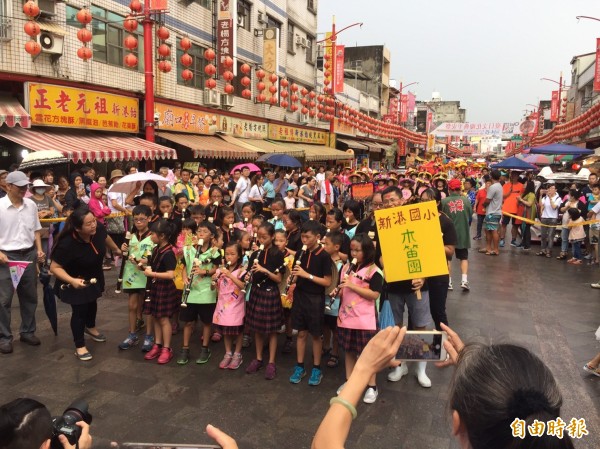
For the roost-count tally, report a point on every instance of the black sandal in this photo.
(333, 361)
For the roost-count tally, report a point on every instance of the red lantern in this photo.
(327, 56)
(210, 69)
(260, 86)
(260, 74)
(312, 113)
(229, 89)
(228, 75)
(187, 74)
(312, 95)
(162, 33)
(164, 50)
(164, 66)
(130, 42)
(186, 60)
(228, 61)
(130, 24)
(304, 111)
(33, 48)
(304, 91)
(31, 9)
(327, 65)
(209, 54)
(320, 107)
(294, 87)
(575, 167)
(136, 6)
(273, 100)
(33, 29)
(294, 107)
(84, 35)
(284, 104)
(326, 83)
(273, 78)
(247, 93)
(245, 69)
(294, 98)
(84, 53)
(261, 98)
(131, 60)
(273, 89)
(284, 94)
(211, 83)
(245, 81)
(304, 102)
(312, 104)
(320, 98)
(284, 83)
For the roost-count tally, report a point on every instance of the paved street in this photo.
(543, 304)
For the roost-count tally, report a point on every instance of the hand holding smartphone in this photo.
(423, 346)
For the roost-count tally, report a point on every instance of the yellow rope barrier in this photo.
(61, 219)
(538, 223)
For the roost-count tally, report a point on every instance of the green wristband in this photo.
(344, 403)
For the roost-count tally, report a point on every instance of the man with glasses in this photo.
(20, 240)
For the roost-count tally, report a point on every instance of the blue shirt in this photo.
(269, 189)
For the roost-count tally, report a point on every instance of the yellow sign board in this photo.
(71, 107)
(411, 241)
(293, 134)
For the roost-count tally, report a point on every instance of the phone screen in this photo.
(417, 346)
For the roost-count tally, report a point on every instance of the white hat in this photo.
(38, 183)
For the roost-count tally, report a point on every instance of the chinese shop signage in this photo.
(411, 241)
(71, 107)
(293, 134)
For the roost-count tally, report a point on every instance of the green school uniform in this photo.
(201, 292)
(133, 277)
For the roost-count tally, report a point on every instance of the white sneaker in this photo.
(339, 390)
(424, 381)
(450, 285)
(596, 285)
(396, 374)
(370, 395)
(465, 285)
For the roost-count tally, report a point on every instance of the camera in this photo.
(65, 424)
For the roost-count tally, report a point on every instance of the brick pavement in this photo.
(545, 305)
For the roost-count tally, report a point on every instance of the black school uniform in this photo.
(294, 240)
(164, 299)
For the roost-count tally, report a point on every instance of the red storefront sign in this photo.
(597, 68)
(554, 106)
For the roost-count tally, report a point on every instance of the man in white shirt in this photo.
(19, 241)
(549, 205)
(327, 191)
(240, 194)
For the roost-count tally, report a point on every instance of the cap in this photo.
(39, 183)
(290, 188)
(17, 178)
(3, 172)
(115, 174)
(454, 184)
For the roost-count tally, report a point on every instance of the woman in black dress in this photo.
(77, 264)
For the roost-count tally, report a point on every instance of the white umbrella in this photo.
(135, 181)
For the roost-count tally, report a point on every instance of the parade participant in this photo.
(76, 262)
(239, 197)
(228, 319)
(527, 199)
(334, 222)
(407, 188)
(161, 290)
(312, 275)
(458, 208)
(403, 293)
(351, 214)
(200, 263)
(318, 213)
(480, 207)
(229, 232)
(20, 240)
(197, 213)
(185, 186)
(277, 209)
(247, 216)
(576, 234)
(293, 222)
(441, 184)
(280, 242)
(165, 206)
(510, 192)
(549, 205)
(357, 318)
(331, 349)
(264, 314)
(493, 211)
(96, 205)
(139, 250)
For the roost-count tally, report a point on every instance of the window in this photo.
(312, 6)
(310, 57)
(272, 23)
(205, 4)
(5, 22)
(197, 67)
(244, 10)
(290, 38)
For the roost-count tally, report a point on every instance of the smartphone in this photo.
(423, 346)
(167, 446)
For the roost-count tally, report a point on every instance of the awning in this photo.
(261, 146)
(12, 113)
(319, 152)
(210, 146)
(375, 147)
(52, 27)
(354, 144)
(80, 145)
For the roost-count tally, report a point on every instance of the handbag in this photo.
(115, 225)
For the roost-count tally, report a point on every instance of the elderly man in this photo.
(19, 241)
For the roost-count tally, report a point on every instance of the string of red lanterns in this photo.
(228, 75)
(32, 28)
(162, 34)
(210, 69)
(186, 59)
(84, 17)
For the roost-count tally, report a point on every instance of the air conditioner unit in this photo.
(262, 18)
(212, 97)
(241, 20)
(47, 8)
(303, 43)
(50, 43)
(227, 100)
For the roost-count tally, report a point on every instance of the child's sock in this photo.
(464, 278)
(301, 365)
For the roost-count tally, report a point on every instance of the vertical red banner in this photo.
(404, 108)
(597, 68)
(338, 82)
(554, 106)
(429, 122)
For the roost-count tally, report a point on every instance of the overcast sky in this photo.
(488, 54)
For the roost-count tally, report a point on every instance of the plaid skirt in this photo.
(228, 330)
(354, 340)
(264, 313)
(164, 299)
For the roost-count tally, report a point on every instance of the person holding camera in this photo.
(26, 424)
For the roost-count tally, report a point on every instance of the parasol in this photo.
(49, 299)
(133, 182)
(42, 158)
(280, 160)
(539, 159)
(514, 163)
(559, 148)
(253, 167)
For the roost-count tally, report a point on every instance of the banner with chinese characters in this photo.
(554, 106)
(270, 55)
(597, 67)
(226, 34)
(244, 128)
(184, 120)
(411, 241)
(404, 108)
(293, 134)
(71, 107)
(338, 82)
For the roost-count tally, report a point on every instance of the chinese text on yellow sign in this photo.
(411, 241)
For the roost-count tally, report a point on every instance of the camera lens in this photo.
(78, 411)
